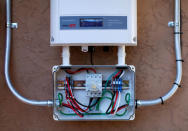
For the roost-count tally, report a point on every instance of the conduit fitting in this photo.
(65, 56)
(171, 24)
(121, 55)
(12, 25)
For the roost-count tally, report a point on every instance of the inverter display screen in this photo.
(91, 22)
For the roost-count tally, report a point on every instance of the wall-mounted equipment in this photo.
(94, 92)
(93, 22)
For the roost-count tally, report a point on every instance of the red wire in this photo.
(121, 108)
(63, 104)
(77, 71)
(117, 74)
(115, 102)
(74, 102)
(71, 106)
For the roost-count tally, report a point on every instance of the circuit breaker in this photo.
(93, 22)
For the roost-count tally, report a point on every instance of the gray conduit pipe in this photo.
(177, 33)
(7, 62)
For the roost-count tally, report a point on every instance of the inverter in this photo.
(93, 22)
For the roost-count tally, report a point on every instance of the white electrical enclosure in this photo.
(88, 86)
(93, 22)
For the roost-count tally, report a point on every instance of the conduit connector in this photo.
(12, 25)
(65, 56)
(121, 55)
(171, 24)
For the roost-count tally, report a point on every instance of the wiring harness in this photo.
(113, 95)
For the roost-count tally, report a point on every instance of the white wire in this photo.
(122, 74)
(118, 104)
(119, 98)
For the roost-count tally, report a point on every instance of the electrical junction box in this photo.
(93, 22)
(86, 88)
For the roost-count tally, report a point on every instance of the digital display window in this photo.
(91, 22)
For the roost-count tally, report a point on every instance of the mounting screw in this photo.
(55, 69)
(134, 39)
(132, 117)
(132, 68)
(52, 39)
(55, 117)
(171, 24)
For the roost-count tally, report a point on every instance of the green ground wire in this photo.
(104, 92)
(74, 114)
(107, 91)
(117, 114)
(95, 114)
(98, 104)
(127, 99)
(110, 77)
(60, 97)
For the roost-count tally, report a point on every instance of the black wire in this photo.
(89, 106)
(110, 103)
(120, 74)
(66, 88)
(91, 50)
(123, 106)
(113, 95)
(91, 58)
(90, 101)
(76, 109)
(74, 103)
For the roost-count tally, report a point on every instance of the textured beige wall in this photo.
(32, 59)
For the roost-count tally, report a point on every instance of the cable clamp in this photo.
(12, 25)
(171, 24)
(162, 101)
(178, 33)
(180, 60)
(177, 84)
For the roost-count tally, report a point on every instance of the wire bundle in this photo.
(80, 109)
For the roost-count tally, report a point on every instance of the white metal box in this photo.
(93, 22)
